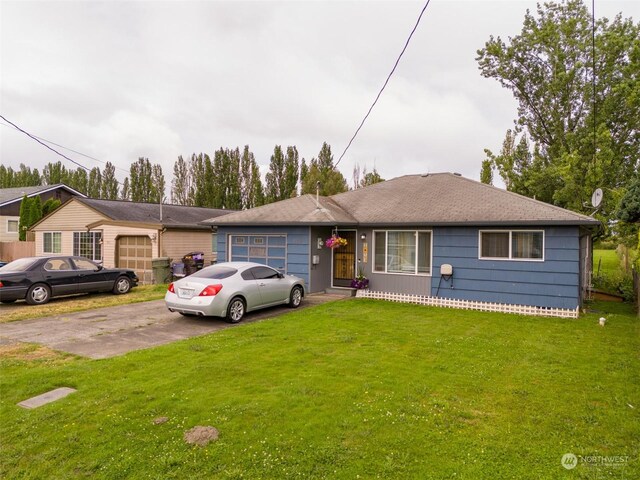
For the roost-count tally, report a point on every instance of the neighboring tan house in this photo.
(11, 198)
(126, 234)
(437, 235)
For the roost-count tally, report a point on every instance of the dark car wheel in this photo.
(296, 297)
(122, 286)
(236, 309)
(38, 294)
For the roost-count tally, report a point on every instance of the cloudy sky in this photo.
(118, 80)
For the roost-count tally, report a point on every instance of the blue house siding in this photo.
(553, 282)
(297, 246)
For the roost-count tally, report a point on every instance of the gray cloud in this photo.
(119, 80)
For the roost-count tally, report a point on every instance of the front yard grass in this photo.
(62, 305)
(350, 389)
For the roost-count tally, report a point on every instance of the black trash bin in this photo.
(193, 262)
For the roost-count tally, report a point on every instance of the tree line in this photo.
(229, 179)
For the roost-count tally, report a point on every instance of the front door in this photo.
(344, 260)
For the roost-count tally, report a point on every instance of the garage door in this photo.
(266, 249)
(134, 252)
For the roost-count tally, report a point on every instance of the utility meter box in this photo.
(446, 270)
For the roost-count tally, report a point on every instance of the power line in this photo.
(385, 82)
(61, 146)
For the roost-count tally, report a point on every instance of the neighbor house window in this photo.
(88, 244)
(52, 242)
(402, 251)
(12, 226)
(512, 245)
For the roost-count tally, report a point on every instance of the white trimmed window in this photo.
(52, 242)
(511, 245)
(12, 226)
(88, 244)
(402, 251)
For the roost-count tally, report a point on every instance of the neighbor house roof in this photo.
(15, 194)
(433, 199)
(173, 216)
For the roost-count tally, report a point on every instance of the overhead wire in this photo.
(385, 82)
(58, 145)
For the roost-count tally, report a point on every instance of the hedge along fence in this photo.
(470, 304)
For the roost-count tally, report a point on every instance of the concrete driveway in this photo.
(112, 331)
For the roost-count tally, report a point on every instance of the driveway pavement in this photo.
(112, 331)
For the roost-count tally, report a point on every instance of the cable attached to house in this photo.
(385, 82)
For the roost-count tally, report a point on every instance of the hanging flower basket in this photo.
(334, 241)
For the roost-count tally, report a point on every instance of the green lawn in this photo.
(77, 303)
(607, 260)
(351, 389)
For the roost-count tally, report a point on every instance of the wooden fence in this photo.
(469, 304)
(10, 251)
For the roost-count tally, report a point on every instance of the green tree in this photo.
(322, 170)
(125, 193)
(34, 210)
(23, 222)
(275, 176)
(109, 188)
(181, 183)
(548, 68)
(54, 173)
(486, 172)
(158, 184)
(78, 180)
(291, 173)
(629, 208)
(94, 183)
(50, 205)
(146, 181)
(250, 183)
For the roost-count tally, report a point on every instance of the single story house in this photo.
(11, 198)
(434, 235)
(126, 234)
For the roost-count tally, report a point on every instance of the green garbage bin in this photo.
(161, 269)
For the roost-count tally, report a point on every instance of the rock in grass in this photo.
(201, 435)
(160, 420)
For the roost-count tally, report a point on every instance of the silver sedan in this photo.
(232, 289)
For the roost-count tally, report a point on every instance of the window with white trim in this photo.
(402, 251)
(12, 226)
(88, 244)
(511, 245)
(52, 242)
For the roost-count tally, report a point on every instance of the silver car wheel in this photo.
(123, 285)
(236, 310)
(296, 297)
(38, 294)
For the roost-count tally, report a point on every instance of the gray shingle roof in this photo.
(177, 216)
(434, 199)
(14, 194)
(299, 210)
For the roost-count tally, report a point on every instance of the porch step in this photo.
(346, 292)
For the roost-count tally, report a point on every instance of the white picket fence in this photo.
(469, 304)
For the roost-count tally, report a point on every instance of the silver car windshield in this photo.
(214, 272)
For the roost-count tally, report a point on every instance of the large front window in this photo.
(88, 244)
(512, 245)
(52, 242)
(403, 251)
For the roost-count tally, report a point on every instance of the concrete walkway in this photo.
(112, 331)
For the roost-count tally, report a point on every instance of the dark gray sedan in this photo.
(37, 279)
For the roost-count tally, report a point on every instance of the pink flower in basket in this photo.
(335, 241)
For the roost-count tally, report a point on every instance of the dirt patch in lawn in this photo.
(29, 352)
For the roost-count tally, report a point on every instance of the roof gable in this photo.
(15, 194)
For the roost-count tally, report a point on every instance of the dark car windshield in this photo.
(20, 265)
(215, 272)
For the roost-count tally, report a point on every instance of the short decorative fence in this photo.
(469, 304)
